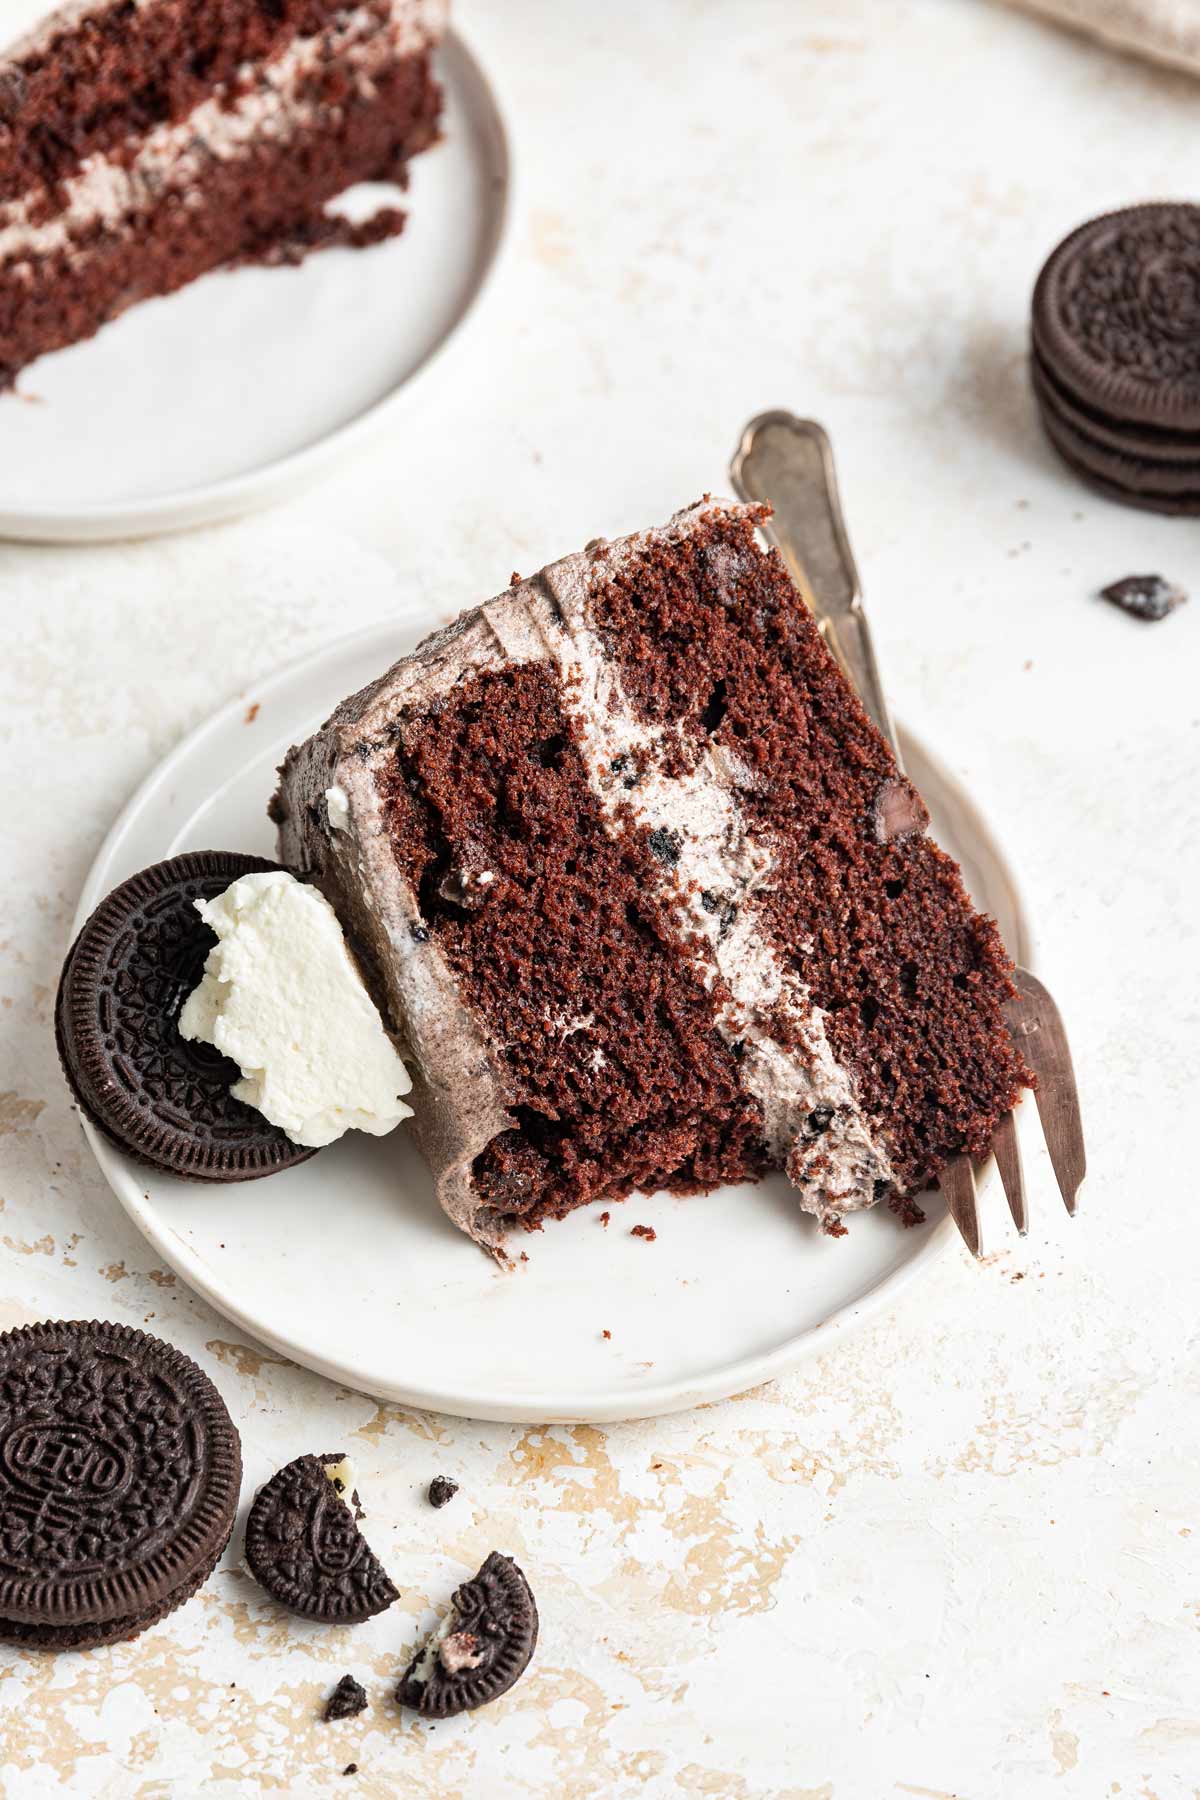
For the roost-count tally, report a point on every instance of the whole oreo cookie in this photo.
(483, 1645)
(120, 1470)
(161, 1099)
(1116, 315)
(303, 1544)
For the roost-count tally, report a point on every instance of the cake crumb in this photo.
(350, 1769)
(252, 713)
(604, 1218)
(514, 579)
(644, 1231)
(606, 1334)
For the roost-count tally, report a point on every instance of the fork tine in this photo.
(957, 1182)
(1007, 1152)
(1035, 1023)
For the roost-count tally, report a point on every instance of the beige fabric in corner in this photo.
(1167, 30)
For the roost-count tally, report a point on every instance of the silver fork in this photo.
(788, 462)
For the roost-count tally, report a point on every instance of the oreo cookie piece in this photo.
(348, 1699)
(303, 1544)
(1146, 597)
(120, 1470)
(1116, 315)
(163, 1100)
(482, 1646)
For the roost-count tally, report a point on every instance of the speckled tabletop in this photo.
(962, 1556)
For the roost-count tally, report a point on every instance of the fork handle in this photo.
(789, 463)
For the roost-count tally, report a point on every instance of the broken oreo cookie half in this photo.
(482, 1646)
(304, 1545)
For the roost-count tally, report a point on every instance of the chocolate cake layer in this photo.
(560, 939)
(647, 898)
(148, 143)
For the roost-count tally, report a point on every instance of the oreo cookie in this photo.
(303, 1544)
(348, 1699)
(482, 1646)
(120, 1470)
(1116, 355)
(164, 1101)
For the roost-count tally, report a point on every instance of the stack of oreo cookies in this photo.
(1116, 355)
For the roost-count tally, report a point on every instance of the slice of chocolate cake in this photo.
(143, 142)
(646, 896)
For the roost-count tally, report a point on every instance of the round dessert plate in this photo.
(242, 387)
(347, 1265)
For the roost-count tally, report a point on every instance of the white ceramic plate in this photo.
(239, 389)
(347, 1265)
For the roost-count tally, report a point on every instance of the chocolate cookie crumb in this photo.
(350, 1769)
(644, 1231)
(347, 1700)
(1149, 597)
(442, 1490)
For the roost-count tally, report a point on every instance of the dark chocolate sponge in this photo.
(120, 1470)
(161, 1099)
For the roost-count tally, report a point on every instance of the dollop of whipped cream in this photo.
(282, 996)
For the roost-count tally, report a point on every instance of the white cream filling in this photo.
(103, 191)
(337, 808)
(341, 1476)
(283, 998)
(440, 1644)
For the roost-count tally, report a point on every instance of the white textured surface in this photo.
(960, 1558)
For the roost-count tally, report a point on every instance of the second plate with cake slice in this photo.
(242, 386)
(348, 1265)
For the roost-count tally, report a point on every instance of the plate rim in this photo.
(609, 1407)
(234, 496)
